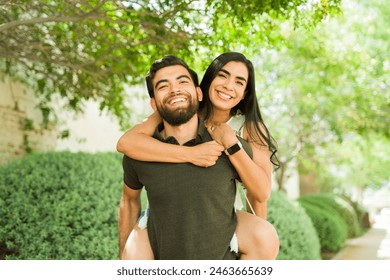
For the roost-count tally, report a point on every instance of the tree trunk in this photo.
(308, 183)
(279, 176)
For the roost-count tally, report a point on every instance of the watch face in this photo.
(233, 149)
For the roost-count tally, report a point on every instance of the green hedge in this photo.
(343, 208)
(331, 228)
(60, 206)
(297, 235)
(361, 212)
(64, 206)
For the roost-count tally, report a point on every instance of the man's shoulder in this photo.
(126, 158)
(128, 162)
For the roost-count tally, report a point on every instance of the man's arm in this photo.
(129, 210)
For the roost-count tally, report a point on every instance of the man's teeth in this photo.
(177, 100)
(225, 96)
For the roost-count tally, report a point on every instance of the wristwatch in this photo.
(233, 149)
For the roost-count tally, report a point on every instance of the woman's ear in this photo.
(153, 104)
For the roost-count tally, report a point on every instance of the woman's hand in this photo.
(205, 154)
(223, 134)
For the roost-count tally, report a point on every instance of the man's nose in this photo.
(175, 89)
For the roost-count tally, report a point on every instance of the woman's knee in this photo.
(266, 238)
(257, 237)
(137, 246)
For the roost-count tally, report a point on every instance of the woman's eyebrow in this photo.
(225, 71)
(228, 73)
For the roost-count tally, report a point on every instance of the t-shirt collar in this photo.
(200, 137)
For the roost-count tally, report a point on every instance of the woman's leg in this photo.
(257, 238)
(138, 246)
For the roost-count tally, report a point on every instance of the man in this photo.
(191, 208)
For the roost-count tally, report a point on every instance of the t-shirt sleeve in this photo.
(130, 176)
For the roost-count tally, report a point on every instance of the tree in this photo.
(81, 50)
(360, 162)
(86, 49)
(327, 84)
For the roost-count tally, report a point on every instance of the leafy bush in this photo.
(333, 202)
(361, 212)
(297, 235)
(64, 206)
(331, 228)
(60, 206)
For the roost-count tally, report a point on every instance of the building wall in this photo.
(18, 105)
(93, 131)
(97, 131)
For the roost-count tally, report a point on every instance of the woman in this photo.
(231, 110)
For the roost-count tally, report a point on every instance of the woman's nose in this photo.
(228, 84)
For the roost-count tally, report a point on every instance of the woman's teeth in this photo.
(224, 96)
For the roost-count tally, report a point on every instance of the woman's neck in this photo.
(219, 116)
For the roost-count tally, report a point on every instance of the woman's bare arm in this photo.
(259, 208)
(255, 173)
(138, 143)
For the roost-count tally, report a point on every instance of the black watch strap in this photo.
(233, 149)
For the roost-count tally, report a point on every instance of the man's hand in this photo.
(206, 154)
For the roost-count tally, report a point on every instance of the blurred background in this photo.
(72, 81)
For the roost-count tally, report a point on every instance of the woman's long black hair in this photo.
(247, 106)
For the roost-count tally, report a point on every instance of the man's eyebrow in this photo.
(228, 73)
(166, 80)
(183, 76)
(160, 81)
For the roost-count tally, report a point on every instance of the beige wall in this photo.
(97, 131)
(94, 131)
(16, 105)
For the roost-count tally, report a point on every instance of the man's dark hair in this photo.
(168, 60)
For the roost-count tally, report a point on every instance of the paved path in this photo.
(374, 245)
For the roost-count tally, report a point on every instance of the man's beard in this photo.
(178, 116)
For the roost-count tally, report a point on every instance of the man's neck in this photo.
(182, 133)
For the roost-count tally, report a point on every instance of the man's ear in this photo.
(153, 104)
(199, 93)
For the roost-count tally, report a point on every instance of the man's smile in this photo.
(176, 100)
